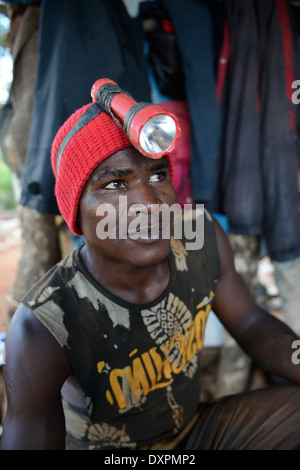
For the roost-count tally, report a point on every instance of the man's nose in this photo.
(143, 199)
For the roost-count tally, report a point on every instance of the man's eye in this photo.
(116, 184)
(159, 176)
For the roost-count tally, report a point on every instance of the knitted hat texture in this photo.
(97, 140)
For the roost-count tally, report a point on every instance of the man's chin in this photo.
(149, 264)
(150, 253)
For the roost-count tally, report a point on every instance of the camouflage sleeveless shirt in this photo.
(138, 365)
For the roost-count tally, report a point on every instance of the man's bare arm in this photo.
(35, 370)
(265, 338)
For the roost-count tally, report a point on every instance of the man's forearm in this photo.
(271, 344)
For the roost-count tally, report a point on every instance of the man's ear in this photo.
(78, 220)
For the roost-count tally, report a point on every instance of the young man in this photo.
(106, 347)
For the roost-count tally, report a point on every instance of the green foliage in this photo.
(4, 28)
(7, 199)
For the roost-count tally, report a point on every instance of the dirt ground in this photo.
(10, 251)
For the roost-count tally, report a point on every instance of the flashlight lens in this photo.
(158, 134)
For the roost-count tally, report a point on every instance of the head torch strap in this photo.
(105, 94)
(131, 113)
(93, 111)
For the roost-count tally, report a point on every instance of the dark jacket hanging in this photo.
(258, 157)
(79, 42)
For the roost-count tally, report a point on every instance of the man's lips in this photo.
(146, 231)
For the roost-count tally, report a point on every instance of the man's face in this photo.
(122, 197)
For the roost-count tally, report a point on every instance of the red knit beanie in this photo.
(83, 141)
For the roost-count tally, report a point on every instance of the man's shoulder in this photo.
(26, 333)
(32, 355)
(194, 227)
(195, 244)
(53, 280)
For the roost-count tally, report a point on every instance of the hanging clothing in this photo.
(258, 188)
(194, 28)
(79, 43)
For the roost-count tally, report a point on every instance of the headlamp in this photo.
(151, 129)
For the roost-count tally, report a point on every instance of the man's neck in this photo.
(138, 285)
